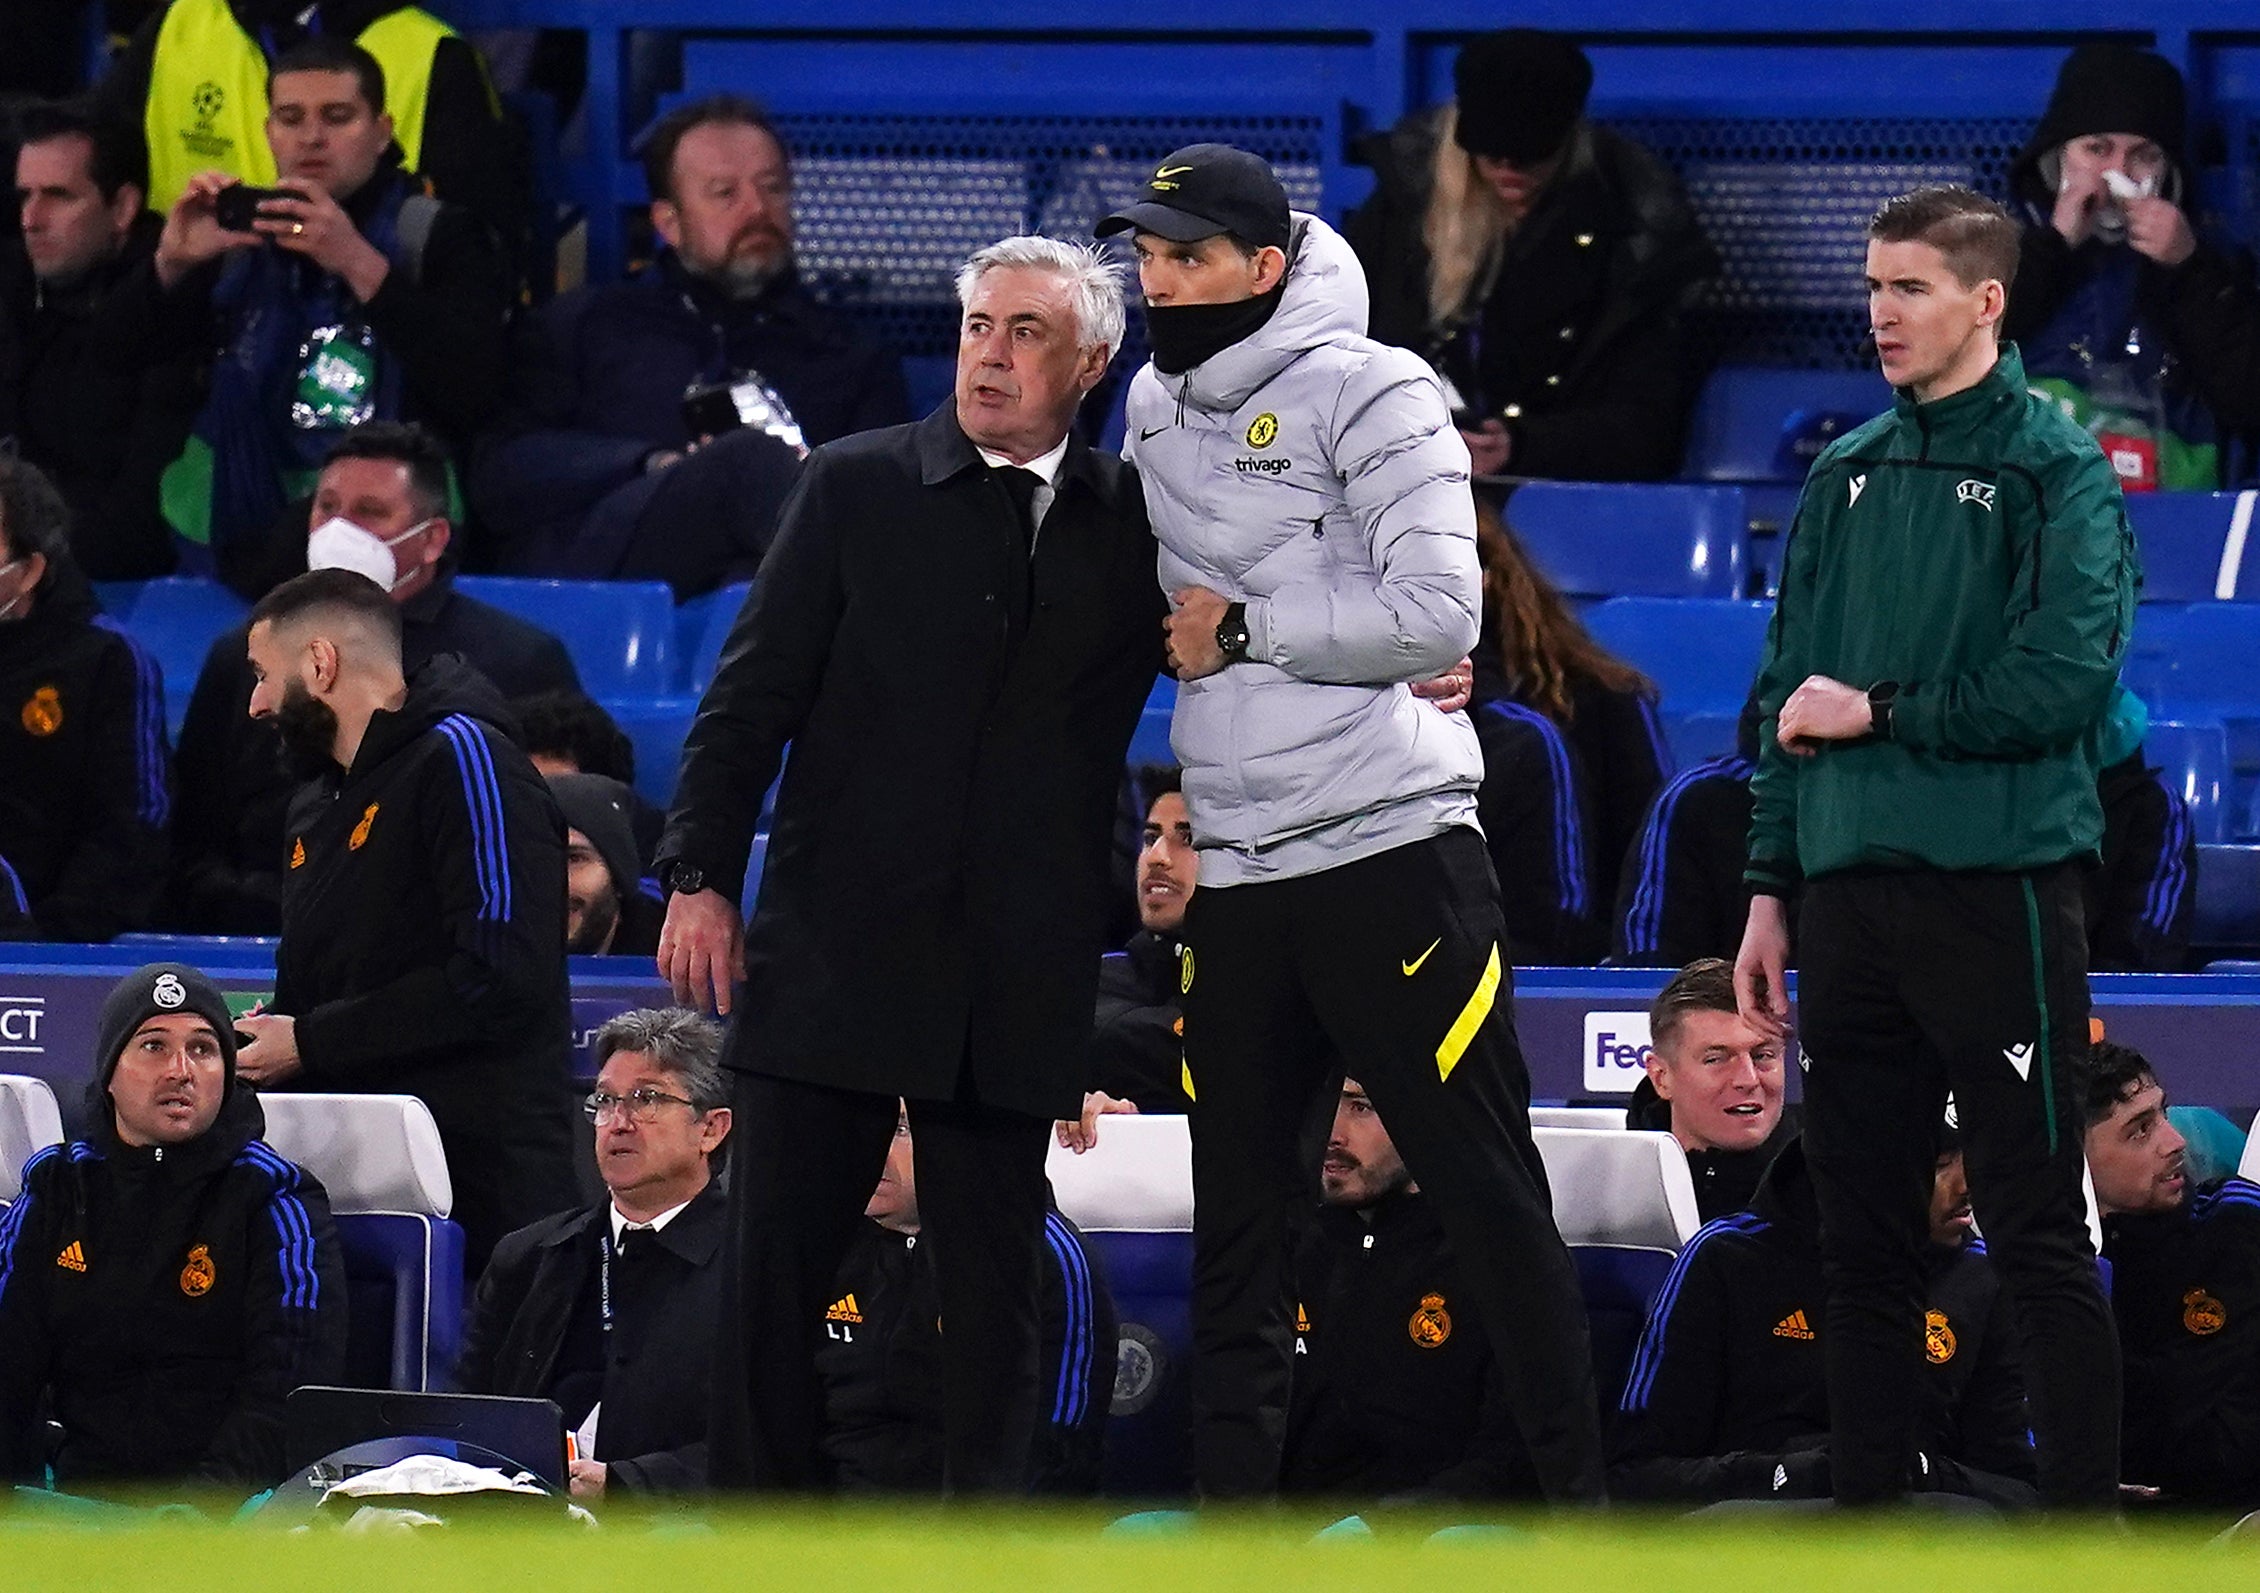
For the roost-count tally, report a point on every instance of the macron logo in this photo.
(2020, 1058)
(1858, 483)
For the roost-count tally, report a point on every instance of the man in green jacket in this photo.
(1959, 589)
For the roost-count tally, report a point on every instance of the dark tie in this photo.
(1020, 486)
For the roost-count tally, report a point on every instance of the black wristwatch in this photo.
(685, 879)
(1232, 634)
(1881, 696)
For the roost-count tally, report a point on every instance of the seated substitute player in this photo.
(881, 1355)
(1714, 1084)
(167, 1280)
(610, 1310)
(1727, 1399)
(1396, 1394)
(2185, 1288)
(1138, 1035)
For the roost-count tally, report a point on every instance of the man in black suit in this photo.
(955, 631)
(610, 1311)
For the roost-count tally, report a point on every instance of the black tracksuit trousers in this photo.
(1911, 985)
(1394, 966)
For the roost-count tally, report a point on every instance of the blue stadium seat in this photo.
(1703, 652)
(702, 625)
(379, 1157)
(177, 619)
(1697, 737)
(751, 891)
(2193, 761)
(1149, 743)
(1754, 424)
(621, 634)
(1611, 539)
(2187, 548)
(2227, 915)
(118, 597)
(655, 726)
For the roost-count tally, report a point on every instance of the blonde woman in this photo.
(1541, 263)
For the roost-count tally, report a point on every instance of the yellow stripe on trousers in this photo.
(1462, 1032)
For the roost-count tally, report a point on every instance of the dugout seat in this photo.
(1608, 1117)
(2226, 921)
(621, 634)
(1702, 651)
(1625, 1204)
(1132, 1195)
(2193, 546)
(29, 1123)
(1609, 539)
(379, 1157)
(2193, 762)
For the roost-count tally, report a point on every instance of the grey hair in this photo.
(677, 1040)
(1097, 280)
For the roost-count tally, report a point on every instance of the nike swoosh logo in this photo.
(1413, 967)
(1144, 436)
(1173, 171)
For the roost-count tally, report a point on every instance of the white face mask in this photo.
(8, 609)
(339, 544)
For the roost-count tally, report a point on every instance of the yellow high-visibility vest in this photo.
(207, 106)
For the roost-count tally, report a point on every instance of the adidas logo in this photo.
(844, 1309)
(1780, 1478)
(73, 1257)
(1302, 1319)
(1793, 1326)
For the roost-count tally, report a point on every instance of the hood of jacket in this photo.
(1322, 301)
(445, 685)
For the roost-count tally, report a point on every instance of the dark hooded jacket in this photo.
(1579, 345)
(2198, 322)
(422, 952)
(85, 780)
(1727, 1398)
(159, 1302)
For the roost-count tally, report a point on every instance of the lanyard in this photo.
(604, 1284)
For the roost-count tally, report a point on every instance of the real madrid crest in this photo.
(43, 712)
(199, 1275)
(1431, 1325)
(2202, 1314)
(168, 992)
(1938, 1338)
(360, 833)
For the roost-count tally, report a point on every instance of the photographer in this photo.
(344, 295)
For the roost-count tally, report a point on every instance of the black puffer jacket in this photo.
(1579, 345)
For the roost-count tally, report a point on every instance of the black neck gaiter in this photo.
(1183, 335)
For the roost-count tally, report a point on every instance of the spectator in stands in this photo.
(881, 1355)
(1138, 1038)
(1681, 895)
(1945, 644)
(354, 297)
(1714, 1084)
(608, 912)
(102, 431)
(166, 1281)
(2148, 336)
(1727, 1398)
(1541, 263)
(2140, 903)
(610, 1310)
(565, 731)
(603, 425)
(934, 902)
(1534, 651)
(85, 786)
(423, 914)
(1396, 1394)
(2185, 1288)
(194, 77)
(379, 509)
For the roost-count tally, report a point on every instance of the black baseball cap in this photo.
(1203, 190)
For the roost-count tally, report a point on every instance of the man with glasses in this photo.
(610, 1310)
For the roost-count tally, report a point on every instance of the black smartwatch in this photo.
(1232, 634)
(1881, 696)
(685, 879)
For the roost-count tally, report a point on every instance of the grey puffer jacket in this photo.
(1314, 474)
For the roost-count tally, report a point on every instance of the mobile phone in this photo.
(237, 207)
(710, 409)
